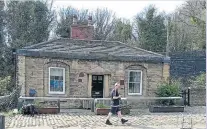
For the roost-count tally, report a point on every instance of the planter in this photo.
(50, 110)
(166, 108)
(102, 111)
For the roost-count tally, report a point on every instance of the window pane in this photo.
(52, 77)
(134, 76)
(60, 78)
(52, 85)
(94, 77)
(61, 83)
(100, 78)
(61, 86)
(56, 80)
(56, 72)
(56, 83)
(134, 88)
(56, 77)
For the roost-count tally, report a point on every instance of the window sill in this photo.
(135, 94)
(56, 93)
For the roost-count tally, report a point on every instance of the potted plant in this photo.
(167, 105)
(42, 108)
(102, 109)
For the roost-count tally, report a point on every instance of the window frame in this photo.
(132, 82)
(57, 92)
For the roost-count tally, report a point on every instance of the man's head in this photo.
(117, 85)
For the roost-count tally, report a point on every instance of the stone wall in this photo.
(198, 97)
(33, 73)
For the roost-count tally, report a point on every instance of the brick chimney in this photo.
(84, 32)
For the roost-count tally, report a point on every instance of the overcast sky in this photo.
(124, 9)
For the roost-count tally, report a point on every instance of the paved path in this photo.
(87, 120)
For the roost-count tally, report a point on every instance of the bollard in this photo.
(2, 122)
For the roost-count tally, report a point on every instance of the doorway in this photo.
(97, 86)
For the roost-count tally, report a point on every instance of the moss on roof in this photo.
(91, 50)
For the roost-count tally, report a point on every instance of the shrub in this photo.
(38, 104)
(168, 90)
(200, 80)
(100, 105)
(4, 84)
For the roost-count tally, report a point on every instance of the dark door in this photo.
(97, 86)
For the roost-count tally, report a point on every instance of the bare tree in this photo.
(104, 21)
(66, 20)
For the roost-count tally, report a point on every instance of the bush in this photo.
(200, 80)
(100, 105)
(4, 84)
(38, 104)
(168, 90)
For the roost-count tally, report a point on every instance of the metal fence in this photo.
(91, 103)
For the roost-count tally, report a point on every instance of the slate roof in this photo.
(65, 48)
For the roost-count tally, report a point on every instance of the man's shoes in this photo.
(123, 121)
(108, 122)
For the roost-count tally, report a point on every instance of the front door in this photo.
(97, 86)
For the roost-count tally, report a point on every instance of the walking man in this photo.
(115, 107)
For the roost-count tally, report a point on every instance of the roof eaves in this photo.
(88, 56)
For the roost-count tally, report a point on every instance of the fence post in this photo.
(58, 103)
(2, 122)
(19, 103)
(94, 105)
(188, 96)
(184, 97)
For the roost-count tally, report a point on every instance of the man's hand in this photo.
(118, 97)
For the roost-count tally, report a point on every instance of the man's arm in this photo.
(114, 96)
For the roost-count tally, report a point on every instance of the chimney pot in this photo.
(84, 32)
(89, 20)
(75, 19)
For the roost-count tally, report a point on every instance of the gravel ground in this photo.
(138, 119)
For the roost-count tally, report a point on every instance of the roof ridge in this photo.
(84, 39)
(48, 41)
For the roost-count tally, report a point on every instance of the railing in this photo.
(106, 101)
(85, 103)
(127, 101)
(90, 103)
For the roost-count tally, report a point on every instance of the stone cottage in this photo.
(82, 67)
